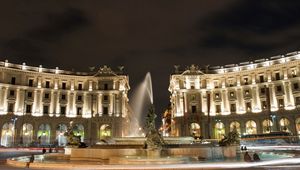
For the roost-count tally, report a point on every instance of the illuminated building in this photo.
(254, 97)
(166, 128)
(37, 104)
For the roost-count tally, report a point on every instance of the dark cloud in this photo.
(253, 26)
(58, 25)
(34, 43)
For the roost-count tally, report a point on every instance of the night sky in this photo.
(146, 35)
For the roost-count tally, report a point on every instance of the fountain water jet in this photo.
(141, 98)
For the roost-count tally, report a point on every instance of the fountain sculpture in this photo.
(154, 141)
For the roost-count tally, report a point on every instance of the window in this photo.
(79, 110)
(47, 95)
(30, 82)
(29, 94)
(280, 103)
(47, 85)
(218, 108)
(277, 76)
(11, 107)
(232, 108)
(193, 97)
(263, 90)
(248, 106)
(13, 80)
(264, 105)
(297, 101)
(246, 81)
(296, 86)
(105, 97)
(217, 96)
(63, 110)
(294, 73)
(80, 86)
(105, 86)
(194, 109)
(63, 85)
(231, 94)
(230, 83)
(79, 98)
(279, 88)
(261, 78)
(11, 93)
(216, 84)
(63, 97)
(46, 110)
(105, 110)
(28, 108)
(247, 92)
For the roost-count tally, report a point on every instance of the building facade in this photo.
(38, 104)
(262, 96)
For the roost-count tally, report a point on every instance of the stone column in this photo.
(2, 99)
(100, 111)
(124, 100)
(37, 103)
(87, 105)
(53, 103)
(117, 105)
(240, 101)
(273, 99)
(289, 102)
(57, 105)
(17, 102)
(185, 103)
(225, 103)
(20, 102)
(256, 105)
(70, 105)
(111, 105)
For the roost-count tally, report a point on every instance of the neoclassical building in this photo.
(261, 96)
(37, 104)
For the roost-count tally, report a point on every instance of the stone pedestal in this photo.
(229, 151)
(153, 153)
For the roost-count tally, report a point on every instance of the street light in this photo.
(14, 128)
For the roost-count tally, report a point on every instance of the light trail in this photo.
(270, 147)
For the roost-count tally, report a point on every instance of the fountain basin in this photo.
(138, 155)
(140, 160)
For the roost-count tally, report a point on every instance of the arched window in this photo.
(251, 127)
(219, 130)
(43, 134)
(267, 125)
(235, 126)
(7, 134)
(78, 130)
(27, 134)
(195, 130)
(105, 131)
(61, 139)
(284, 125)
